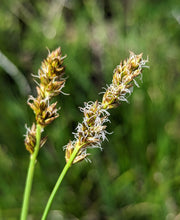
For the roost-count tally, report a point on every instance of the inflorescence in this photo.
(92, 131)
(50, 84)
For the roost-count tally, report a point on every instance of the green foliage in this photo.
(137, 175)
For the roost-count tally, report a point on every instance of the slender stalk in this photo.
(30, 175)
(58, 183)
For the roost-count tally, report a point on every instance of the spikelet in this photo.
(123, 79)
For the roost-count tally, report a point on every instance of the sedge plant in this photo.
(91, 132)
(50, 83)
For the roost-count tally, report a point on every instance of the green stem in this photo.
(58, 183)
(30, 175)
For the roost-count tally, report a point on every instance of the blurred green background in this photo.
(137, 175)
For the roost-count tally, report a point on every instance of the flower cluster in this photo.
(30, 139)
(123, 78)
(50, 84)
(91, 132)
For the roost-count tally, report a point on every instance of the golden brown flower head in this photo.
(91, 132)
(51, 73)
(51, 82)
(82, 154)
(123, 78)
(44, 112)
(30, 139)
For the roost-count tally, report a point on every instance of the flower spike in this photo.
(50, 84)
(92, 131)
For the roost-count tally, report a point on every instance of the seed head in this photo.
(92, 131)
(51, 82)
(30, 139)
(51, 73)
(123, 78)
